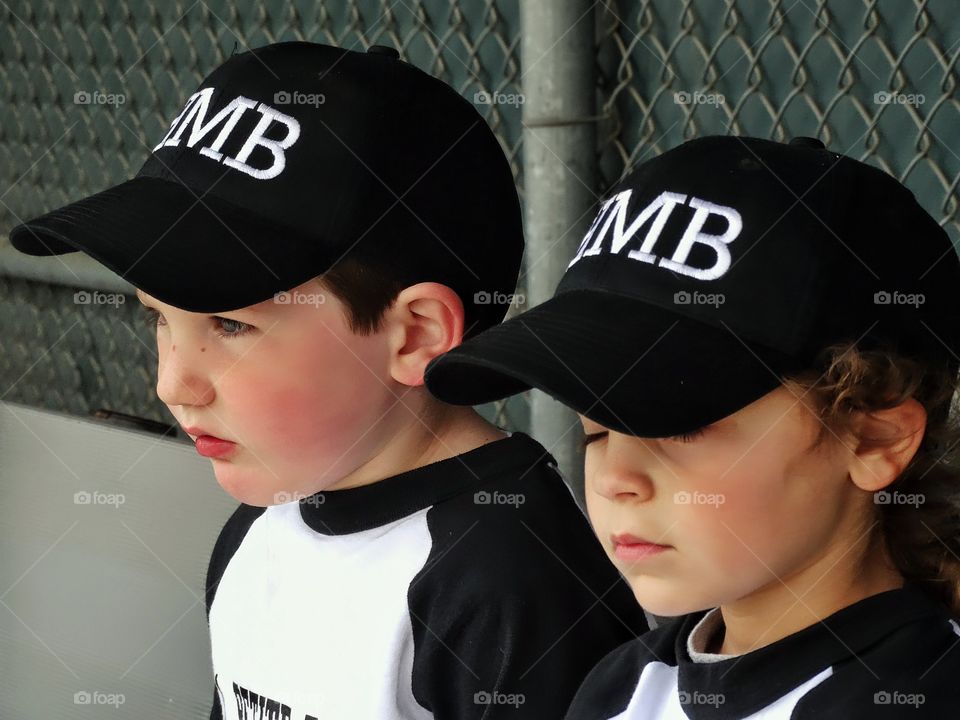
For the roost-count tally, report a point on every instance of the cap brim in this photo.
(187, 249)
(628, 365)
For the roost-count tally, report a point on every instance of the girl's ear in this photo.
(425, 320)
(888, 440)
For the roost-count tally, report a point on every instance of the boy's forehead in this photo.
(260, 307)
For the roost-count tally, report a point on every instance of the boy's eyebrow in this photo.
(253, 309)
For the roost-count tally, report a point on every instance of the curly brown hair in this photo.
(923, 537)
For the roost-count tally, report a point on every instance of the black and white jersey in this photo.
(469, 588)
(892, 655)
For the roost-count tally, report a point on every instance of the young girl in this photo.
(761, 343)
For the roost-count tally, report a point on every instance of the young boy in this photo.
(315, 226)
(761, 341)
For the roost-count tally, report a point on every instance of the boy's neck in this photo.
(445, 433)
(788, 605)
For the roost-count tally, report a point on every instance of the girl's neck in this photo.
(786, 606)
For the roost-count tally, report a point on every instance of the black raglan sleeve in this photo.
(513, 609)
(229, 539)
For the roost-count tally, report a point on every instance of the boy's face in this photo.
(740, 507)
(305, 399)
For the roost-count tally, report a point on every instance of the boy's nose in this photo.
(180, 382)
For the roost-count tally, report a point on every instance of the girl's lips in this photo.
(633, 548)
(214, 447)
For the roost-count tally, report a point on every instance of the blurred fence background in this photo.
(578, 92)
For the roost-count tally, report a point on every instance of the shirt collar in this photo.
(751, 681)
(339, 512)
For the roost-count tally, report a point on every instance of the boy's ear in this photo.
(888, 441)
(424, 321)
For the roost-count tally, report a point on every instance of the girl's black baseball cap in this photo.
(710, 273)
(290, 157)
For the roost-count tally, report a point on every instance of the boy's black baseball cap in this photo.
(712, 272)
(291, 156)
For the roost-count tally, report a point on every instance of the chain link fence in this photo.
(90, 85)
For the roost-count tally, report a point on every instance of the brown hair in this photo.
(367, 291)
(922, 537)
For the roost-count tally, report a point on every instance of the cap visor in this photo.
(628, 365)
(190, 250)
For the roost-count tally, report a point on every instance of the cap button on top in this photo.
(384, 50)
(807, 142)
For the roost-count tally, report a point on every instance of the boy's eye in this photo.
(234, 328)
(150, 317)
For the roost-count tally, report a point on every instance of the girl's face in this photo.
(742, 505)
(305, 399)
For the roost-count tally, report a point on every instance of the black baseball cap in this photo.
(710, 274)
(291, 156)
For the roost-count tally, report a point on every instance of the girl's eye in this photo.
(234, 328)
(590, 437)
(687, 437)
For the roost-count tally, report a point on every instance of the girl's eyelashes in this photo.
(152, 318)
(590, 437)
(688, 437)
(684, 438)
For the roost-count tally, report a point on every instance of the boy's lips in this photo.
(210, 445)
(195, 431)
